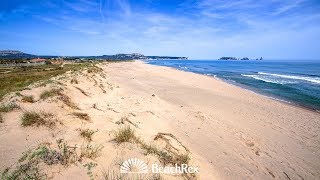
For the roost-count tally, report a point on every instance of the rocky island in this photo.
(242, 59)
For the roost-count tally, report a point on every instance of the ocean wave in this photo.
(302, 78)
(183, 67)
(209, 74)
(269, 79)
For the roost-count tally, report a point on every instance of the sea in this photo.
(295, 82)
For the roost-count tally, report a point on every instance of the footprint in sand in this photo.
(252, 146)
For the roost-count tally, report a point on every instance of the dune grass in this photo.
(125, 134)
(20, 77)
(9, 107)
(50, 93)
(94, 69)
(31, 118)
(166, 157)
(5, 108)
(87, 134)
(90, 151)
(67, 101)
(83, 116)
(33, 163)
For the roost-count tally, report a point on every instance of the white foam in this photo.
(183, 67)
(269, 79)
(303, 78)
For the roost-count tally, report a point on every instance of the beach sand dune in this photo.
(229, 132)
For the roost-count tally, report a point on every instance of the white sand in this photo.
(231, 133)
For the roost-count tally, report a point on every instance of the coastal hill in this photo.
(13, 54)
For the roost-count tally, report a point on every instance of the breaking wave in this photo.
(303, 78)
(281, 78)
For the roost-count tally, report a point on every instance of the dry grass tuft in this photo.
(125, 134)
(19, 94)
(87, 134)
(90, 151)
(74, 81)
(166, 156)
(67, 101)
(31, 118)
(94, 69)
(61, 96)
(44, 83)
(29, 99)
(1, 118)
(83, 116)
(50, 93)
(9, 107)
(68, 153)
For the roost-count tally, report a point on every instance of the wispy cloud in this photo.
(125, 6)
(196, 28)
(287, 6)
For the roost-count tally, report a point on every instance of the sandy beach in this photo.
(227, 131)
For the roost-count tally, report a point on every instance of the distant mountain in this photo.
(128, 57)
(123, 56)
(13, 54)
(10, 52)
(17, 55)
(165, 57)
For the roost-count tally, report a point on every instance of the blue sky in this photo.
(199, 29)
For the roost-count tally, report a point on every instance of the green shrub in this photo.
(9, 107)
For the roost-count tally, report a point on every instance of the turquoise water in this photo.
(295, 82)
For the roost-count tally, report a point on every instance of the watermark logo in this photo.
(177, 169)
(134, 165)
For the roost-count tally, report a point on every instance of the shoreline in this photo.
(278, 99)
(247, 88)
